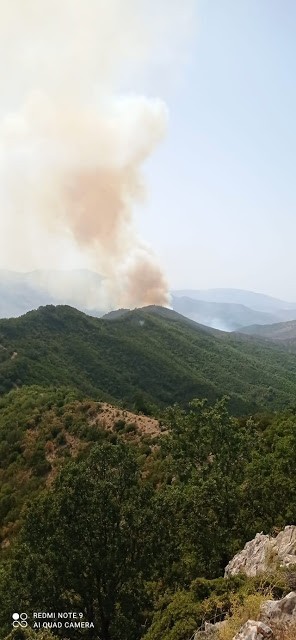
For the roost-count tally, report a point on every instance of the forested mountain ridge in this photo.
(164, 358)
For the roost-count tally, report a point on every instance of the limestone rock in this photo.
(254, 630)
(264, 553)
(275, 615)
(280, 612)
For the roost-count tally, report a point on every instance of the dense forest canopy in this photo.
(162, 356)
(128, 524)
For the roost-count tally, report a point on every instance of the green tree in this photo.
(269, 495)
(206, 453)
(84, 545)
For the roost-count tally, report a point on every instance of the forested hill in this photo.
(159, 356)
(280, 331)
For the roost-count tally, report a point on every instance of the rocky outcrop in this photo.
(280, 612)
(275, 617)
(264, 553)
(254, 630)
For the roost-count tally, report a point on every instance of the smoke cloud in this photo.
(73, 142)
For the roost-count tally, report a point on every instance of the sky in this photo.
(222, 199)
(219, 209)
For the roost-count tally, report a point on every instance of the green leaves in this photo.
(137, 541)
(84, 545)
(151, 365)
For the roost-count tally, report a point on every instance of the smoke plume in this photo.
(72, 141)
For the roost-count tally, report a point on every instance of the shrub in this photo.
(241, 611)
(131, 428)
(119, 425)
(61, 439)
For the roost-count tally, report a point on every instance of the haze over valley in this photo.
(224, 309)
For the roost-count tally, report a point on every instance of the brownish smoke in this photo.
(98, 209)
(71, 146)
(145, 284)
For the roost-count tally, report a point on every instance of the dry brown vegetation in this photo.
(109, 415)
(240, 613)
(284, 632)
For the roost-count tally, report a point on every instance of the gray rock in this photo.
(254, 630)
(281, 612)
(264, 553)
(274, 615)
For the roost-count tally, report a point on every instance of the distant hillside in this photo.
(223, 309)
(143, 358)
(221, 315)
(251, 299)
(114, 315)
(284, 331)
(231, 309)
(22, 292)
(163, 312)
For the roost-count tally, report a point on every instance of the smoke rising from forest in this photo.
(73, 142)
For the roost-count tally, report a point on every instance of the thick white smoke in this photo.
(72, 142)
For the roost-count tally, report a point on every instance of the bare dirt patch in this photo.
(108, 416)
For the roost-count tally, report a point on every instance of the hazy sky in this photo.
(222, 209)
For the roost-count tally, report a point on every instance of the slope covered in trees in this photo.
(160, 357)
(41, 428)
(284, 332)
(136, 538)
(129, 528)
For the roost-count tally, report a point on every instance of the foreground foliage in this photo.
(136, 535)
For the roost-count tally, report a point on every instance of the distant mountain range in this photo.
(22, 292)
(231, 309)
(257, 301)
(224, 309)
(221, 315)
